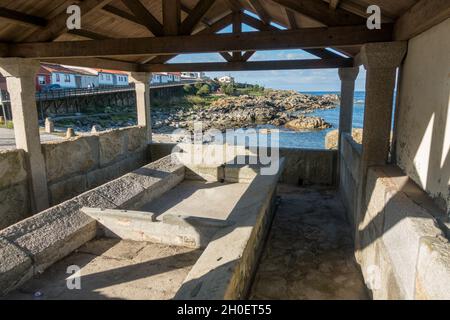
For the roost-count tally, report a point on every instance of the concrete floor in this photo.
(213, 200)
(8, 141)
(309, 253)
(114, 269)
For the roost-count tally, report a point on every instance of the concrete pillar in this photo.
(348, 77)
(20, 78)
(141, 81)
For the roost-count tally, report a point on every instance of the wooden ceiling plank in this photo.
(57, 25)
(22, 18)
(252, 65)
(144, 16)
(88, 34)
(196, 16)
(248, 41)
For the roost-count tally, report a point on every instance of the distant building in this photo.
(226, 79)
(55, 74)
(192, 75)
(112, 78)
(85, 77)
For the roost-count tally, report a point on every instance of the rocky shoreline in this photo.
(278, 108)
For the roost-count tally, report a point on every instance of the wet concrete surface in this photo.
(309, 254)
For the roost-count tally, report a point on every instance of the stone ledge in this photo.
(397, 219)
(53, 234)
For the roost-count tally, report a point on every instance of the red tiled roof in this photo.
(111, 71)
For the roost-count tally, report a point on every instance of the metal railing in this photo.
(67, 93)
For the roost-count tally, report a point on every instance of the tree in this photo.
(204, 90)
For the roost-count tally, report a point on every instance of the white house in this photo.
(226, 79)
(112, 78)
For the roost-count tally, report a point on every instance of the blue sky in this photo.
(300, 80)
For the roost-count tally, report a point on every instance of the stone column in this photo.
(20, 78)
(381, 61)
(141, 81)
(348, 77)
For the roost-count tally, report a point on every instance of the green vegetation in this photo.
(204, 90)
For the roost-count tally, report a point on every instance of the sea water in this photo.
(315, 139)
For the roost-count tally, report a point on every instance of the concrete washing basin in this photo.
(163, 231)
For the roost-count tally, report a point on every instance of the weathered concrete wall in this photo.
(86, 162)
(302, 166)
(402, 250)
(14, 199)
(423, 121)
(349, 175)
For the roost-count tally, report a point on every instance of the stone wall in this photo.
(402, 247)
(85, 162)
(423, 120)
(14, 199)
(303, 166)
(349, 175)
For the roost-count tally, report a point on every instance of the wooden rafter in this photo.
(259, 25)
(171, 17)
(248, 41)
(228, 57)
(237, 29)
(252, 65)
(291, 18)
(88, 34)
(422, 16)
(262, 13)
(57, 25)
(320, 11)
(334, 4)
(22, 18)
(144, 17)
(188, 25)
(188, 11)
(216, 26)
(234, 5)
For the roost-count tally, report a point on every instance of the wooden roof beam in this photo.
(171, 17)
(422, 16)
(144, 17)
(248, 41)
(188, 25)
(216, 26)
(334, 4)
(291, 18)
(57, 25)
(259, 25)
(252, 65)
(260, 10)
(22, 18)
(320, 11)
(234, 5)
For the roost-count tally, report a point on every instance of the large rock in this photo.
(307, 123)
(331, 139)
